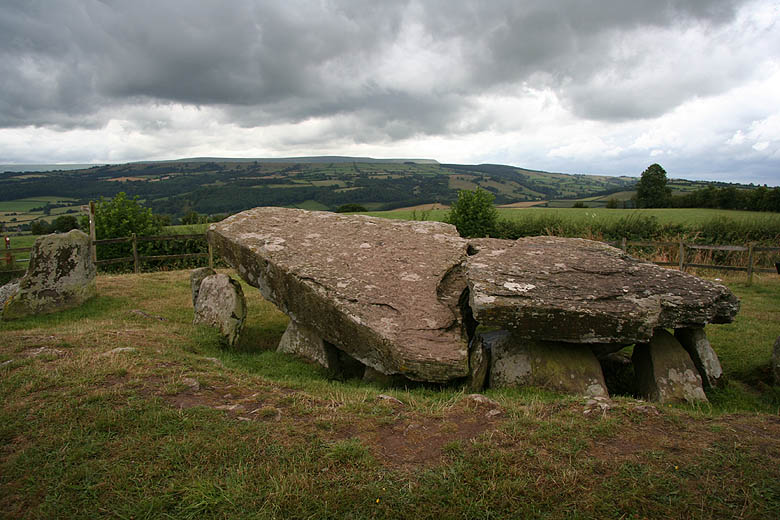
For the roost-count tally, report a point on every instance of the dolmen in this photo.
(406, 300)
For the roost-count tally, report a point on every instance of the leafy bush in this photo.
(473, 214)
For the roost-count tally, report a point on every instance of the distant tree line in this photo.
(652, 192)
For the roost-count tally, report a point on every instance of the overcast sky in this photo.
(579, 86)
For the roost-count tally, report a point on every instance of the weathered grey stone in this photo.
(479, 364)
(221, 304)
(776, 361)
(196, 278)
(301, 341)
(664, 371)
(6, 292)
(575, 290)
(385, 292)
(695, 342)
(61, 275)
(562, 367)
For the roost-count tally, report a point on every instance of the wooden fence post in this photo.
(136, 267)
(750, 264)
(92, 230)
(682, 256)
(623, 244)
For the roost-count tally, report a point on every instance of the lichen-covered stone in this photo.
(385, 292)
(581, 291)
(695, 342)
(221, 304)
(6, 292)
(196, 278)
(60, 275)
(562, 367)
(776, 361)
(664, 371)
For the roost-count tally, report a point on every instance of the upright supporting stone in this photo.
(695, 342)
(196, 278)
(221, 304)
(479, 362)
(665, 372)
(517, 362)
(304, 342)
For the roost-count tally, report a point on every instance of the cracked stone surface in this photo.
(581, 291)
(384, 291)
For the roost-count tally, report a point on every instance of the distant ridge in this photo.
(308, 160)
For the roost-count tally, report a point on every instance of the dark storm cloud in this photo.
(68, 64)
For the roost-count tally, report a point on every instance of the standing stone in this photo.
(695, 342)
(665, 372)
(61, 275)
(561, 367)
(776, 361)
(221, 304)
(196, 278)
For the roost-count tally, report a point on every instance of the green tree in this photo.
(651, 190)
(121, 217)
(473, 214)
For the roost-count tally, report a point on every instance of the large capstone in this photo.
(60, 275)
(385, 292)
(581, 291)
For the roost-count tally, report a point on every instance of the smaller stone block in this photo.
(665, 372)
(695, 342)
(479, 360)
(61, 275)
(301, 341)
(776, 361)
(221, 303)
(196, 278)
(562, 367)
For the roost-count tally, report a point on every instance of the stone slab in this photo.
(581, 291)
(386, 292)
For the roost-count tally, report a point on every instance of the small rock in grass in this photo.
(6, 363)
(119, 350)
(192, 383)
(389, 398)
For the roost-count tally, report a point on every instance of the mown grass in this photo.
(182, 428)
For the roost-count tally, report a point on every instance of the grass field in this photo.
(176, 427)
(664, 215)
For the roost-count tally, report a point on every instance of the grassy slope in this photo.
(167, 432)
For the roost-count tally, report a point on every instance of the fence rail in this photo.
(136, 259)
(751, 249)
(624, 244)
